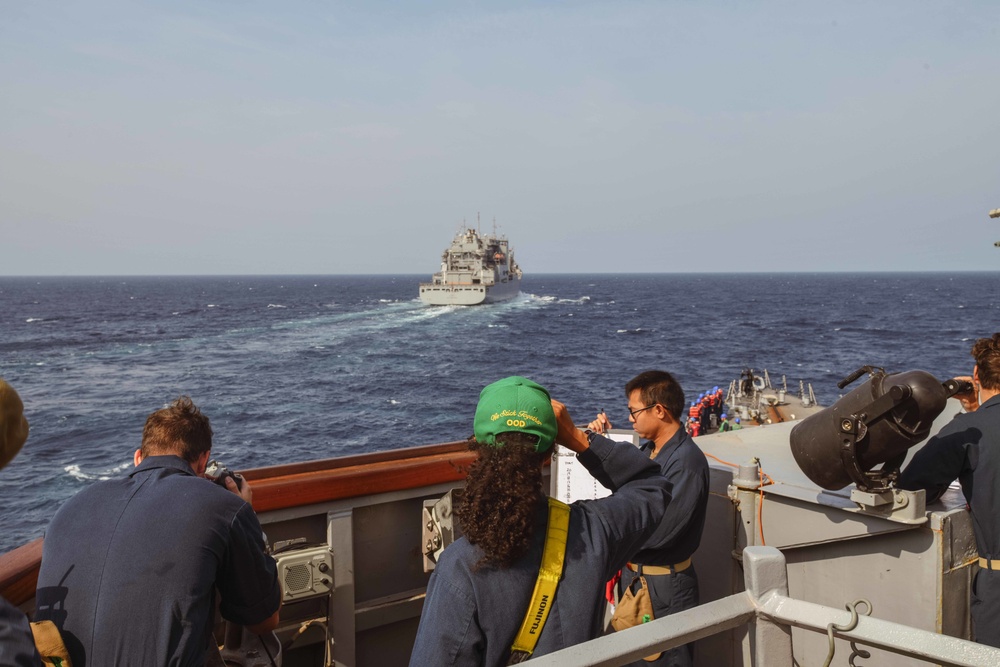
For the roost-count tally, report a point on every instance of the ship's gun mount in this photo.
(863, 437)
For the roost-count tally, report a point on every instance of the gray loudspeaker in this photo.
(305, 573)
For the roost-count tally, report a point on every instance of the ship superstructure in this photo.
(476, 268)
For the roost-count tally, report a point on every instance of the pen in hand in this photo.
(600, 424)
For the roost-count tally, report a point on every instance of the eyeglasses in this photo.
(635, 412)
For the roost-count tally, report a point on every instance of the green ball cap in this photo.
(515, 404)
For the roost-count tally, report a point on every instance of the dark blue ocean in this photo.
(308, 367)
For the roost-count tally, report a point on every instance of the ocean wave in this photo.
(74, 471)
(420, 314)
(538, 299)
(328, 330)
(535, 299)
(276, 305)
(35, 319)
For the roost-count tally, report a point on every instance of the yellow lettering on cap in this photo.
(527, 415)
(503, 413)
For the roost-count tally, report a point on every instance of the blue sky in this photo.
(322, 137)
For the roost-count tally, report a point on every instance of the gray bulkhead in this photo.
(914, 565)
(915, 572)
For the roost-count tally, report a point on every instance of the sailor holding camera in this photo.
(131, 566)
(968, 449)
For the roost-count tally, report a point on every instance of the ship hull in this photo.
(469, 295)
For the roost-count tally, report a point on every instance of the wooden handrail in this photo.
(19, 572)
(352, 460)
(362, 476)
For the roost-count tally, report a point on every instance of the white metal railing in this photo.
(765, 605)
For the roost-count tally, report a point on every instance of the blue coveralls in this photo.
(968, 449)
(471, 616)
(683, 464)
(131, 566)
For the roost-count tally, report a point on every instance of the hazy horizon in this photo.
(540, 275)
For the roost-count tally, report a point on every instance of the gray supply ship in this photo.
(475, 269)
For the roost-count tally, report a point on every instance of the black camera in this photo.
(218, 472)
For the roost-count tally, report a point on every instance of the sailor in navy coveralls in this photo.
(132, 567)
(655, 404)
(968, 449)
(480, 590)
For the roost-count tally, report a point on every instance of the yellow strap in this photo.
(553, 557)
(49, 644)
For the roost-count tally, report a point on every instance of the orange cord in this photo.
(720, 460)
(765, 480)
(760, 505)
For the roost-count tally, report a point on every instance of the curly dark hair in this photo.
(986, 352)
(502, 497)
